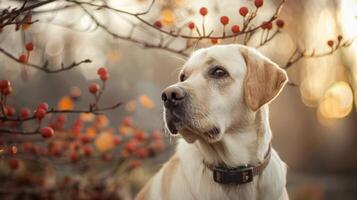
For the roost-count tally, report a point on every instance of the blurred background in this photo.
(313, 120)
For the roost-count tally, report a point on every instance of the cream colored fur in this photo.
(245, 132)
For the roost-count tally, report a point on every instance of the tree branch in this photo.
(44, 67)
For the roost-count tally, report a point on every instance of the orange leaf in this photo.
(146, 101)
(66, 103)
(125, 130)
(91, 132)
(168, 17)
(104, 142)
(102, 121)
(87, 117)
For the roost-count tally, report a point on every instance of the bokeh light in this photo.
(337, 101)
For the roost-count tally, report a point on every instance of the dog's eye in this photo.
(182, 77)
(217, 72)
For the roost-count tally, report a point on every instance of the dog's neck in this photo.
(247, 145)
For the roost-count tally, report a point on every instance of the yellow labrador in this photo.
(219, 107)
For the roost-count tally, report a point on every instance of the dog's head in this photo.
(219, 88)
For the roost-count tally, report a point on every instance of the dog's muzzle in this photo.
(174, 98)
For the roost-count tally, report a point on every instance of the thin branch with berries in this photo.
(334, 46)
(8, 114)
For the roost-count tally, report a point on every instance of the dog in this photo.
(219, 107)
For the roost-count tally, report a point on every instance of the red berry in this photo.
(10, 111)
(102, 71)
(25, 112)
(34, 150)
(6, 91)
(104, 77)
(214, 40)
(40, 113)
(47, 132)
(117, 140)
(87, 150)
(29, 46)
(23, 58)
(280, 23)
(127, 121)
(235, 29)
(224, 20)
(74, 157)
(93, 88)
(134, 164)
(158, 24)
(54, 150)
(330, 43)
(258, 3)
(130, 146)
(140, 135)
(43, 105)
(243, 11)
(61, 118)
(4, 84)
(85, 139)
(267, 25)
(203, 11)
(191, 25)
(14, 164)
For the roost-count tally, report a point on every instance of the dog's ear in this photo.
(264, 79)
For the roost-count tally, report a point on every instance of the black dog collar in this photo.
(239, 175)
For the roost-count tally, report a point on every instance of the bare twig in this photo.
(44, 67)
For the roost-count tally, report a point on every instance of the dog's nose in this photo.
(173, 96)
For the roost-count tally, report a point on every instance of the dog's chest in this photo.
(206, 188)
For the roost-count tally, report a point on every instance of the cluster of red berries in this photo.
(41, 110)
(243, 11)
(331, 43)
(140, 144)
(25, 113)
(23, 58)
(5, 87)
(103, 75)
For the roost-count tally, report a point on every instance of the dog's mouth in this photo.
(176, 123)
(173, 121)
(213, 132)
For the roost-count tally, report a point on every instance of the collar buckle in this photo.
(237, 176)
